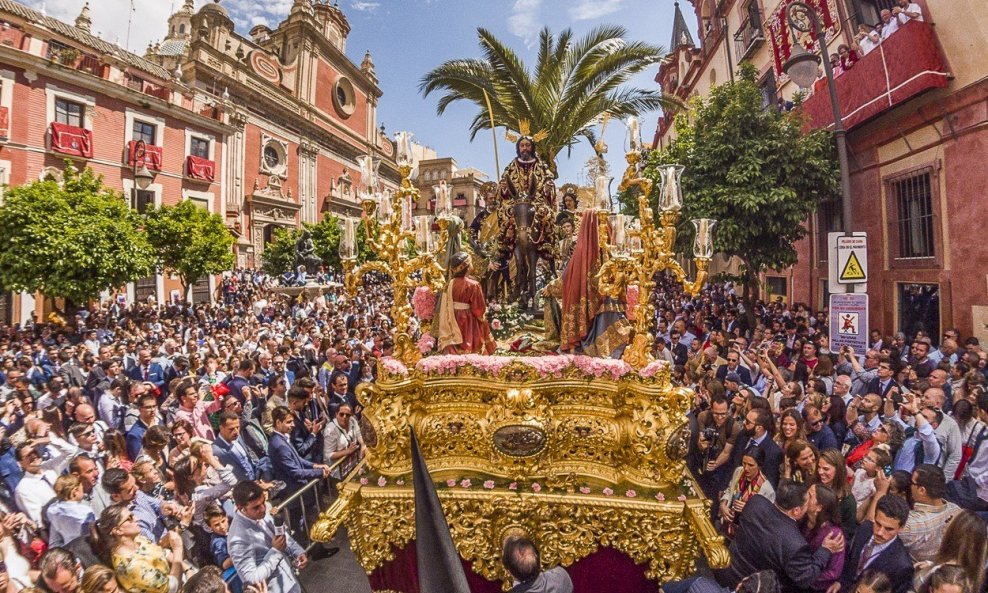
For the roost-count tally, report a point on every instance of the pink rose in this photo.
(681, 498)
(489, 484)
(382, 481)
(451, 483)
(400, 482)
(465, 483)
(584, 490)
(660, 497)
(363, 481)
(608, 492)
(536, 487)
(513, 486)
(631, 494)
(496, 324)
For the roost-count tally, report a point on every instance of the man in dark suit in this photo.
(885, 381)
(680, 353)
(69, 369)
(769, 538)
(877, 546)
(287, 464)
(734, 366)
(757, 432)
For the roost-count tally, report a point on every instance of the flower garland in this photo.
(549, 366)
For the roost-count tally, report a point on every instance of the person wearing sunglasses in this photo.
(342, 439)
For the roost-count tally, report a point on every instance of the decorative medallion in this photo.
(265, 66)
(519, 440)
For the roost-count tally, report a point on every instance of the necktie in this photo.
(146, 374)
(866, 555)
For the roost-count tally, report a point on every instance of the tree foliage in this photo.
(72, 240)
(751, 168)
(190, 241)
(279, 254)
(575, 82)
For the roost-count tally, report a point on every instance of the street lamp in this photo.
(142, 176)
(801, 67)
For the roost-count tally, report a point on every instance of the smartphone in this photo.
(279, 530)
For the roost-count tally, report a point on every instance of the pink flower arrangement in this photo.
(426, 343)
(489, 484)
(660, 497)
(465, 483)
(632, 300)
(424, 302)
(653, 368)
(598, 367)
(536, 487)
(451, 483)
(631, 494)
(681, 498)
(584, 490)
(607, 491)
(513, 486)
(400, 482)
(393, 366)
(382, 481)
(363, 481)
(496, 324)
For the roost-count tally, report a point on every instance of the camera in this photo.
(709, 434)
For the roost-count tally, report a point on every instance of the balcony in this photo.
(71, 140)
(905, 65)
(750, 36)
(151, 158)
(200, 169)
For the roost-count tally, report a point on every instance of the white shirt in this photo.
(33, 492)
(890, 27)
(913, 7)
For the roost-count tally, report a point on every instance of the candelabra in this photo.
(638, 249)
(405, 245)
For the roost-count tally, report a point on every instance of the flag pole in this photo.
(490, 112)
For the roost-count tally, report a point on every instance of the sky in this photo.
(408, 38)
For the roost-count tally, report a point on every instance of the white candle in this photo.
(634, 135)
(600, 192)
(400, 145)
(444, 205)
(703, 243)
(384, 208)
(670, 199)
(348, 240)
(406, 214)
(619, 231)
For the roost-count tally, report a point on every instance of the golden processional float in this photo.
(576, 453)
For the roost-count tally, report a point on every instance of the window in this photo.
(199, 147)
(914, 210)
(200, 291)
(69, 113)
(146, 287)
(777, 286)
(144, 131)
(770, 94)
(55, 49)
(919, 309)
(142, 200)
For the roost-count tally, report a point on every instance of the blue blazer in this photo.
(224, 452)
(156, 375)
(288, 465)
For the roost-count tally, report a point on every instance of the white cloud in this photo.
(588, 10)
(364, 5)
(524, 20)
(149, 20)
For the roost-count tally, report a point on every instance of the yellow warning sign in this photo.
(852, 269)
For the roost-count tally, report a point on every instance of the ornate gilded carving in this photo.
(576, 463)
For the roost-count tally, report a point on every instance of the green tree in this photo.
(751, 168)
(189, 241)
(72, 240)
(575, 82)
(279, 254)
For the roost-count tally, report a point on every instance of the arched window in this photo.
(181, 29)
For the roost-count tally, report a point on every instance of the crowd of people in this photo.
(835, 469)
(869, 37)
(143, 446)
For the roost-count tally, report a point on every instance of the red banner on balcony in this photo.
(4, 123)
(151, 158)
(200, 168)
(780, 34)
(71, 140)
(906, 64)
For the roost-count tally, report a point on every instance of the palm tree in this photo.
(574, 84)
